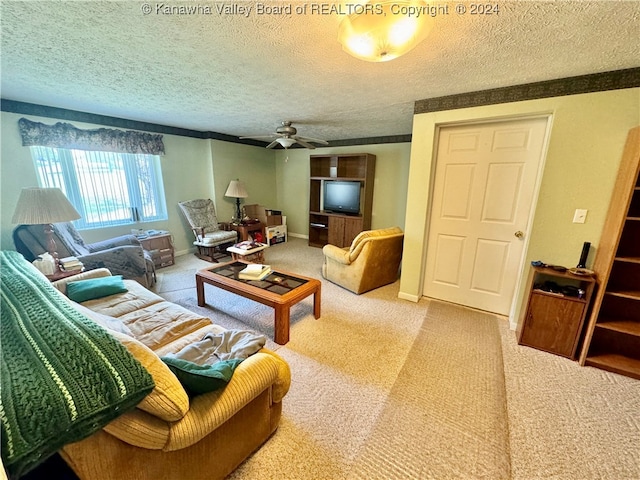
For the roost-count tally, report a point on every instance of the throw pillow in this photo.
(197, 379)
(84, 290)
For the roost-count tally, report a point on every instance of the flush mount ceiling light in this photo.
(382, 31)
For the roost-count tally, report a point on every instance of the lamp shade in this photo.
(236, 189)
(43, 206)
(385, 30)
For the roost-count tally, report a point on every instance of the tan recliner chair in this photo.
(373, 260)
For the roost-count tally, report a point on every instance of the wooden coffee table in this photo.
(280, 290)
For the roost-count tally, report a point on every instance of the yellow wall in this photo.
(195, 168)
(587, 136)
(188, 169)
(389, 193)
(254, 166)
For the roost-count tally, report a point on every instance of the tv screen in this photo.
(342, 197)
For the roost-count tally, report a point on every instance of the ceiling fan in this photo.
(286, 135)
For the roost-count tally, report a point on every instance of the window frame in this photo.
(59, 167)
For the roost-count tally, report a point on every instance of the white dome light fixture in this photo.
(382, 31)
(286, 142)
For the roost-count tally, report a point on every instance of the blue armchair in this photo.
(122, 255)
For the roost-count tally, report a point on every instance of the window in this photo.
(106, 188)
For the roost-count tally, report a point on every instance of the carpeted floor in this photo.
(385, 388)
(445, 415)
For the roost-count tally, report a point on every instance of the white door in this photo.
(484, 186)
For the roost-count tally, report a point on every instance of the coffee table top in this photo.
(277, 282)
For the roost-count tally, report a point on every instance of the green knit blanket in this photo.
(62, 376)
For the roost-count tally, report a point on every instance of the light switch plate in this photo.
(580, 216)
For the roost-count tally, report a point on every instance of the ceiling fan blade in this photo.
(314, 140)
(273, 144)
(260, 137)
(305, 144)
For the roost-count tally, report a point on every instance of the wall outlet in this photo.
(579, 216)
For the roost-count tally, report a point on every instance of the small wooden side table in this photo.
(60, 274)
(244, 230)
(552, 320)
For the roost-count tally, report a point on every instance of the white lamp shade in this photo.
(236, 189)
(385, 30)
(42, 206)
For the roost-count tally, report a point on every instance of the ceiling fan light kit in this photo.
(286, 135)
(385, 30)
(286, 142)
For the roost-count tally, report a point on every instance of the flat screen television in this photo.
(342, 197)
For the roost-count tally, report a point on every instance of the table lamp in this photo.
(44, 206)
(237, 190)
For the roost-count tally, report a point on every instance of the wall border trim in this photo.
(597, 82)
(24, 108)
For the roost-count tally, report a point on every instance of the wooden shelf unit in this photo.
(553, 321)
(335, 228)
(612, 336)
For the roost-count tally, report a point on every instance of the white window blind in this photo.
(106, 188)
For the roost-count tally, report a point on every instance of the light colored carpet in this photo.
(385, 388)
(445, 416)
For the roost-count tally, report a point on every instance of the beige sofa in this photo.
(169, 435)
(372, 260)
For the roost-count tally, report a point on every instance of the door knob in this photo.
(519, 234)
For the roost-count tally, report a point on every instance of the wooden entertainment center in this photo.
(337, 228)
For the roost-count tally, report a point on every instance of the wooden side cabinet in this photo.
(161, 249)
(342, 230)
(555, 312)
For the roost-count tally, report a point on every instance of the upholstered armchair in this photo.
(201, 215)
(122, 255)
(372, 260)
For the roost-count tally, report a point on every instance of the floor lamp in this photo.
(44, 206)
(237, 190)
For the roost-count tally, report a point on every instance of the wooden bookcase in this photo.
(334, 228)
(612, 336)
(552, 320)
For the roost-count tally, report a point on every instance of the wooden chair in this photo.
(210, 238)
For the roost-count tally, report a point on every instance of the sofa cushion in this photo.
(104, 321)
(168, 400)
(84, 290)
(153, 321)
(209, 363)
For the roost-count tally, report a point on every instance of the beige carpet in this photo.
(385, 388)
(445, 416)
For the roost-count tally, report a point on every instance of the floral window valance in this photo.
(65, 135)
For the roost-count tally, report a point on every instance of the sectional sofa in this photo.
(172, 434)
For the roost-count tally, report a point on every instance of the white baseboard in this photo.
(408, 296)
(299, 235)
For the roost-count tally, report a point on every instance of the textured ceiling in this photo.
(243, 74)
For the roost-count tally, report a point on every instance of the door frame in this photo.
(534, 200)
